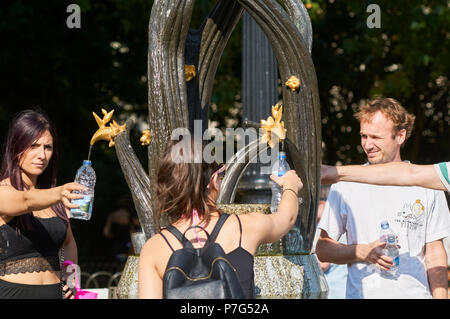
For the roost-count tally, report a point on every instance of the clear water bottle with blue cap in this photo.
(279, 168)
(393, 252)
(86, 177)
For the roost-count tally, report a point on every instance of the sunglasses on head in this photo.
(221, 171)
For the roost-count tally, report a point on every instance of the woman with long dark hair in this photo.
(34, 223)
(187, 189)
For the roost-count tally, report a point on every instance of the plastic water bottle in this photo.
(279, 168)
(86, 177)
(385, 231)
(392, 251)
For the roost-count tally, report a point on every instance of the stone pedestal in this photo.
(128, 284)
(289, 277)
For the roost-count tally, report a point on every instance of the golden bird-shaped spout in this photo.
(107, 133)
(273, 125)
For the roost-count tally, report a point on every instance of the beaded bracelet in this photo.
(289, 189)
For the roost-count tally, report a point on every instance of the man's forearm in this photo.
(384, 174)
(331, 251)
(438, 280)
(394, 173)
(436, 262)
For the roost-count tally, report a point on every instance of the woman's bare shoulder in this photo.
(151, 241)
(153, 245)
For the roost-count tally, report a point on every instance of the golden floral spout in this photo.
(190, 72)
(273, 125)
(145, 138)
(106, 133)
(293, 83)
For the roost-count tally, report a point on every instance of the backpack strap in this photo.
(223, 217)
(166, 240)
(240, 229)
(211, 238)
(178, 235)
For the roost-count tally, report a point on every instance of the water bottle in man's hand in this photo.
(393, 252)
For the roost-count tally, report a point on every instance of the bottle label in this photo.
(83, 203)
(396, 261)
(281, 173)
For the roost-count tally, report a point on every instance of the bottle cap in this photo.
(282, 155)
(391, 239)
(86, 162)
(384, 224)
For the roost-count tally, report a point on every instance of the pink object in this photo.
(194, 223)
(195, 214)
(80, 293)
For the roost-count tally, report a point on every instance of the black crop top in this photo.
(32, 250)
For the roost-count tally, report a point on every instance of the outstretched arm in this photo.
(395, 173)
(14, 202)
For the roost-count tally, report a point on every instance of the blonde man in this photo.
(418, 216)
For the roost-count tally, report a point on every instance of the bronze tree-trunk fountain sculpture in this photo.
(175, 103)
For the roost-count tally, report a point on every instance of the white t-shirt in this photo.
(443, 171)
(416, 215)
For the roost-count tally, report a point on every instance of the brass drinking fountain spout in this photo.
(107, 133)
(274, 125)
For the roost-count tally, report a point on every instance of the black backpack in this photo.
(200, 273)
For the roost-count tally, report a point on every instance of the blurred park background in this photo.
(69, 73)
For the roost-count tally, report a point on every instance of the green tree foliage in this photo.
(406, 58)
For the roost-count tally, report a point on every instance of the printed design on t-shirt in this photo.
(411, 216)
(418, 208)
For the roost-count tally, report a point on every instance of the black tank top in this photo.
(34, 248)
(242, 261)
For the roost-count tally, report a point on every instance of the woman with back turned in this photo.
(187, 191)
(34, 223)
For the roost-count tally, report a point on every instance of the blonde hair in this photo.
(392, 109)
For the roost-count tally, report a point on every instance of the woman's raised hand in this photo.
(289, 180)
